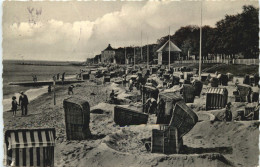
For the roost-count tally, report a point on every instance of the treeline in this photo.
(235, 34)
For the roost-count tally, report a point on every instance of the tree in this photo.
(238, 33)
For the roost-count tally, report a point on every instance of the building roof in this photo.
(165, 47)
(109, 48)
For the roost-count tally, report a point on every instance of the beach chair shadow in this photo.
(97, 136)
(202, 150)
(192, 150)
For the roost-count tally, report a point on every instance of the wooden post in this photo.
(142, 95)
(141, 47)
(134, 57)
(169, 49)
(125, 56)
(54, 95)
(147, 54)
(200, 41)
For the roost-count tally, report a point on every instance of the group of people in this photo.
(79, 75)
(23, 102)
(140, 81)
(57, 77)
(252, 115)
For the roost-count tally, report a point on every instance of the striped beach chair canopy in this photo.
(214, 90)
(27, 138)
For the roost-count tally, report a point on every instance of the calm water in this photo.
(15, 71)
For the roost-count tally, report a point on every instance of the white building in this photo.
(108, 55)
(163, 53)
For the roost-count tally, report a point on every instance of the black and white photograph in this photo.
(130, 83)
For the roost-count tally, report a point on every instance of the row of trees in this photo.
(235, 34)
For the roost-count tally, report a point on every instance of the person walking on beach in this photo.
(14, 105)
(63, 77)
(49, 89)
(23, 102)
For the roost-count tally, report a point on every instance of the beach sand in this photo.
(209, 144)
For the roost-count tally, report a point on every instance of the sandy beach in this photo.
(209, 143)
(131, 84)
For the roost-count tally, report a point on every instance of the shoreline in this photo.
(43, 104)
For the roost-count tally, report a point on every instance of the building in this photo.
(163, 53)
(108, 55)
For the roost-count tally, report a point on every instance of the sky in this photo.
(75, 31)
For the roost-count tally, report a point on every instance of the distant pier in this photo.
(42, 83)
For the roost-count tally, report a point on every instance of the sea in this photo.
(22, 71)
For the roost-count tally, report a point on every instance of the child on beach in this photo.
(14, 105)
(70, 89)
(228, 113)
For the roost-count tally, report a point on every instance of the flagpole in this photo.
(169, 49)
(134, 57)
(200, 40)
(141, 46)
(125, 56)
(147, 54)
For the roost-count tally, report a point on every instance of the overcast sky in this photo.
(78, 30)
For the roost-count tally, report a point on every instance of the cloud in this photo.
(58, 40)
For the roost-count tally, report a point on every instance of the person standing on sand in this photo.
(151, 105)
(49, 89)
(58, 76)
(112, 97)
(248, 97)
(33, 78)
(14, 105)
(63, 77)
(130, 85)
(228, 113)
(124, 80)
(23, 102)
